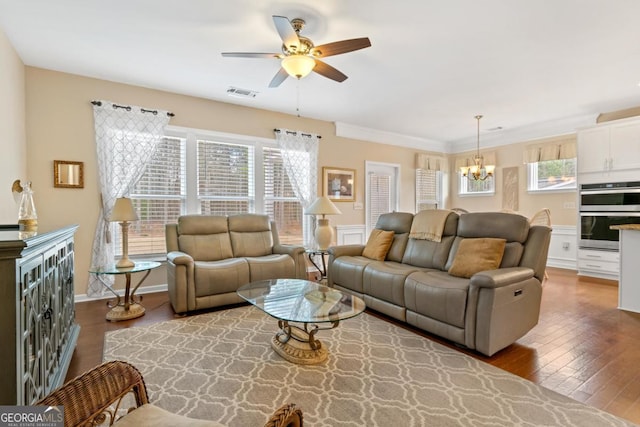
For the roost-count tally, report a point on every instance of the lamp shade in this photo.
(322, 206)
(123, 210)
(298, 66)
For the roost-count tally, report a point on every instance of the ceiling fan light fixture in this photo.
(298, 66)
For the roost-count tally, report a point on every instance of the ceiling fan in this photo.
(300, 56)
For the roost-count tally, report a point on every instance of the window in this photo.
(552, 175)
(280, 201)
(225, 178)
(158, 198)
(472, 187)
(428, 189)
(213, 176)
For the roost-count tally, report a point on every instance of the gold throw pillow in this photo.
(378, 244)
(475, 255)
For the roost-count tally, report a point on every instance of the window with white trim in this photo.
(158, 198)
(469, 186)
(552, 175)
(204, 175)
(428, 189)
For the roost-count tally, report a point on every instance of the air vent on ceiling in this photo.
(241, 93)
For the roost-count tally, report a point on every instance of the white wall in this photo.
(13, 161)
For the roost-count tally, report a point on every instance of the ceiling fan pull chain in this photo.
(298, 97)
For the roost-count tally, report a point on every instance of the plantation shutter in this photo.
(280, 201)
(225, 178)
(158, 198)
(427, 189)
(379, 196)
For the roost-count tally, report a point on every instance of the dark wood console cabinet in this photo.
(38, 332)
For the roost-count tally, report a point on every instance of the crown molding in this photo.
(346, 130)
(548, 129)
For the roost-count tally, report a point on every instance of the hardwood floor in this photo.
(583, 346)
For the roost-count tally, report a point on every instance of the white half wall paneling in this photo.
(351, 234)
(562, 250)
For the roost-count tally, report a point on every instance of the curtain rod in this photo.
(292, 132)
(128, 108)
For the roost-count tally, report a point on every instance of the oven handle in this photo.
(634, 214)
(611, 191)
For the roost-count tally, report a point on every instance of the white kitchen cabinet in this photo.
(599, 263)
(609, 147)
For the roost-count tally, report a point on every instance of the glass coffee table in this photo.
(311, 306)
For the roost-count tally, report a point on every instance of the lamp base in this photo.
(324, 234)
(125, 263)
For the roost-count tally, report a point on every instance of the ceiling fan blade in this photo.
(251, 55)
(329, 72)
(343, 46)
(287, 33)
(280, 76)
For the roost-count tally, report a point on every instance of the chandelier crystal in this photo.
(478, 171)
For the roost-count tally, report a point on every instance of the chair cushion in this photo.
(378, 244)
(475, 255)
(149, 415)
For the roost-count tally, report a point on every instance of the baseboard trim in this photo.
(108, 295)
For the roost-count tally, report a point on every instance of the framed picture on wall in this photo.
(339, 184)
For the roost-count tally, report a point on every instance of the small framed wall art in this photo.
(67, 174)
(339, 184)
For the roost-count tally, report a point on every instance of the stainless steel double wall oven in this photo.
(604, 205)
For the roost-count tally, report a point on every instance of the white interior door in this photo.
(381, 188)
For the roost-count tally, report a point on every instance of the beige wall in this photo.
(529, 203)
(13, 161)
(60, 127)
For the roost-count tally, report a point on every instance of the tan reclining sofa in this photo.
(210, 257)
(442, 286)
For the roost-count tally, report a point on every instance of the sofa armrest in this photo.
(288, 250)
(501, 277)
(180, 258)
(345, 250)
(295, 252)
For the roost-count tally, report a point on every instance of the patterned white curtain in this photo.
(126, 139)
(300, 158)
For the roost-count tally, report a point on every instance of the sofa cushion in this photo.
(347, 271)
(250, 235)
(475, 255)
(384, 280)
(437, 295)
(399, 223)
(271, 266)
(220, 277)
(204, 238)
(149, 415)
(378, 244)
(206, 247)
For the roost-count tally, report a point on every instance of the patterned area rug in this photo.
(220, 366)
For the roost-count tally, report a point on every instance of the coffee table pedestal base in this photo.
(299, 352)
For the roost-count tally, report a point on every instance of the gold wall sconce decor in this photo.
(67, 174)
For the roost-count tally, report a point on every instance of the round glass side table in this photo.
(127, 307)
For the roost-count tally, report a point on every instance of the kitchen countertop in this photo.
(626, 227)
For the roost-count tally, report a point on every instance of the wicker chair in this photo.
(542, 217)
(96, 397)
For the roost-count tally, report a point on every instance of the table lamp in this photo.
(324, 233)
(123, 211)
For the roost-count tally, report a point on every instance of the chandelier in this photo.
(478, 171)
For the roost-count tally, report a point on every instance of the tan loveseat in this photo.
(210, 257)
(487, 311)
